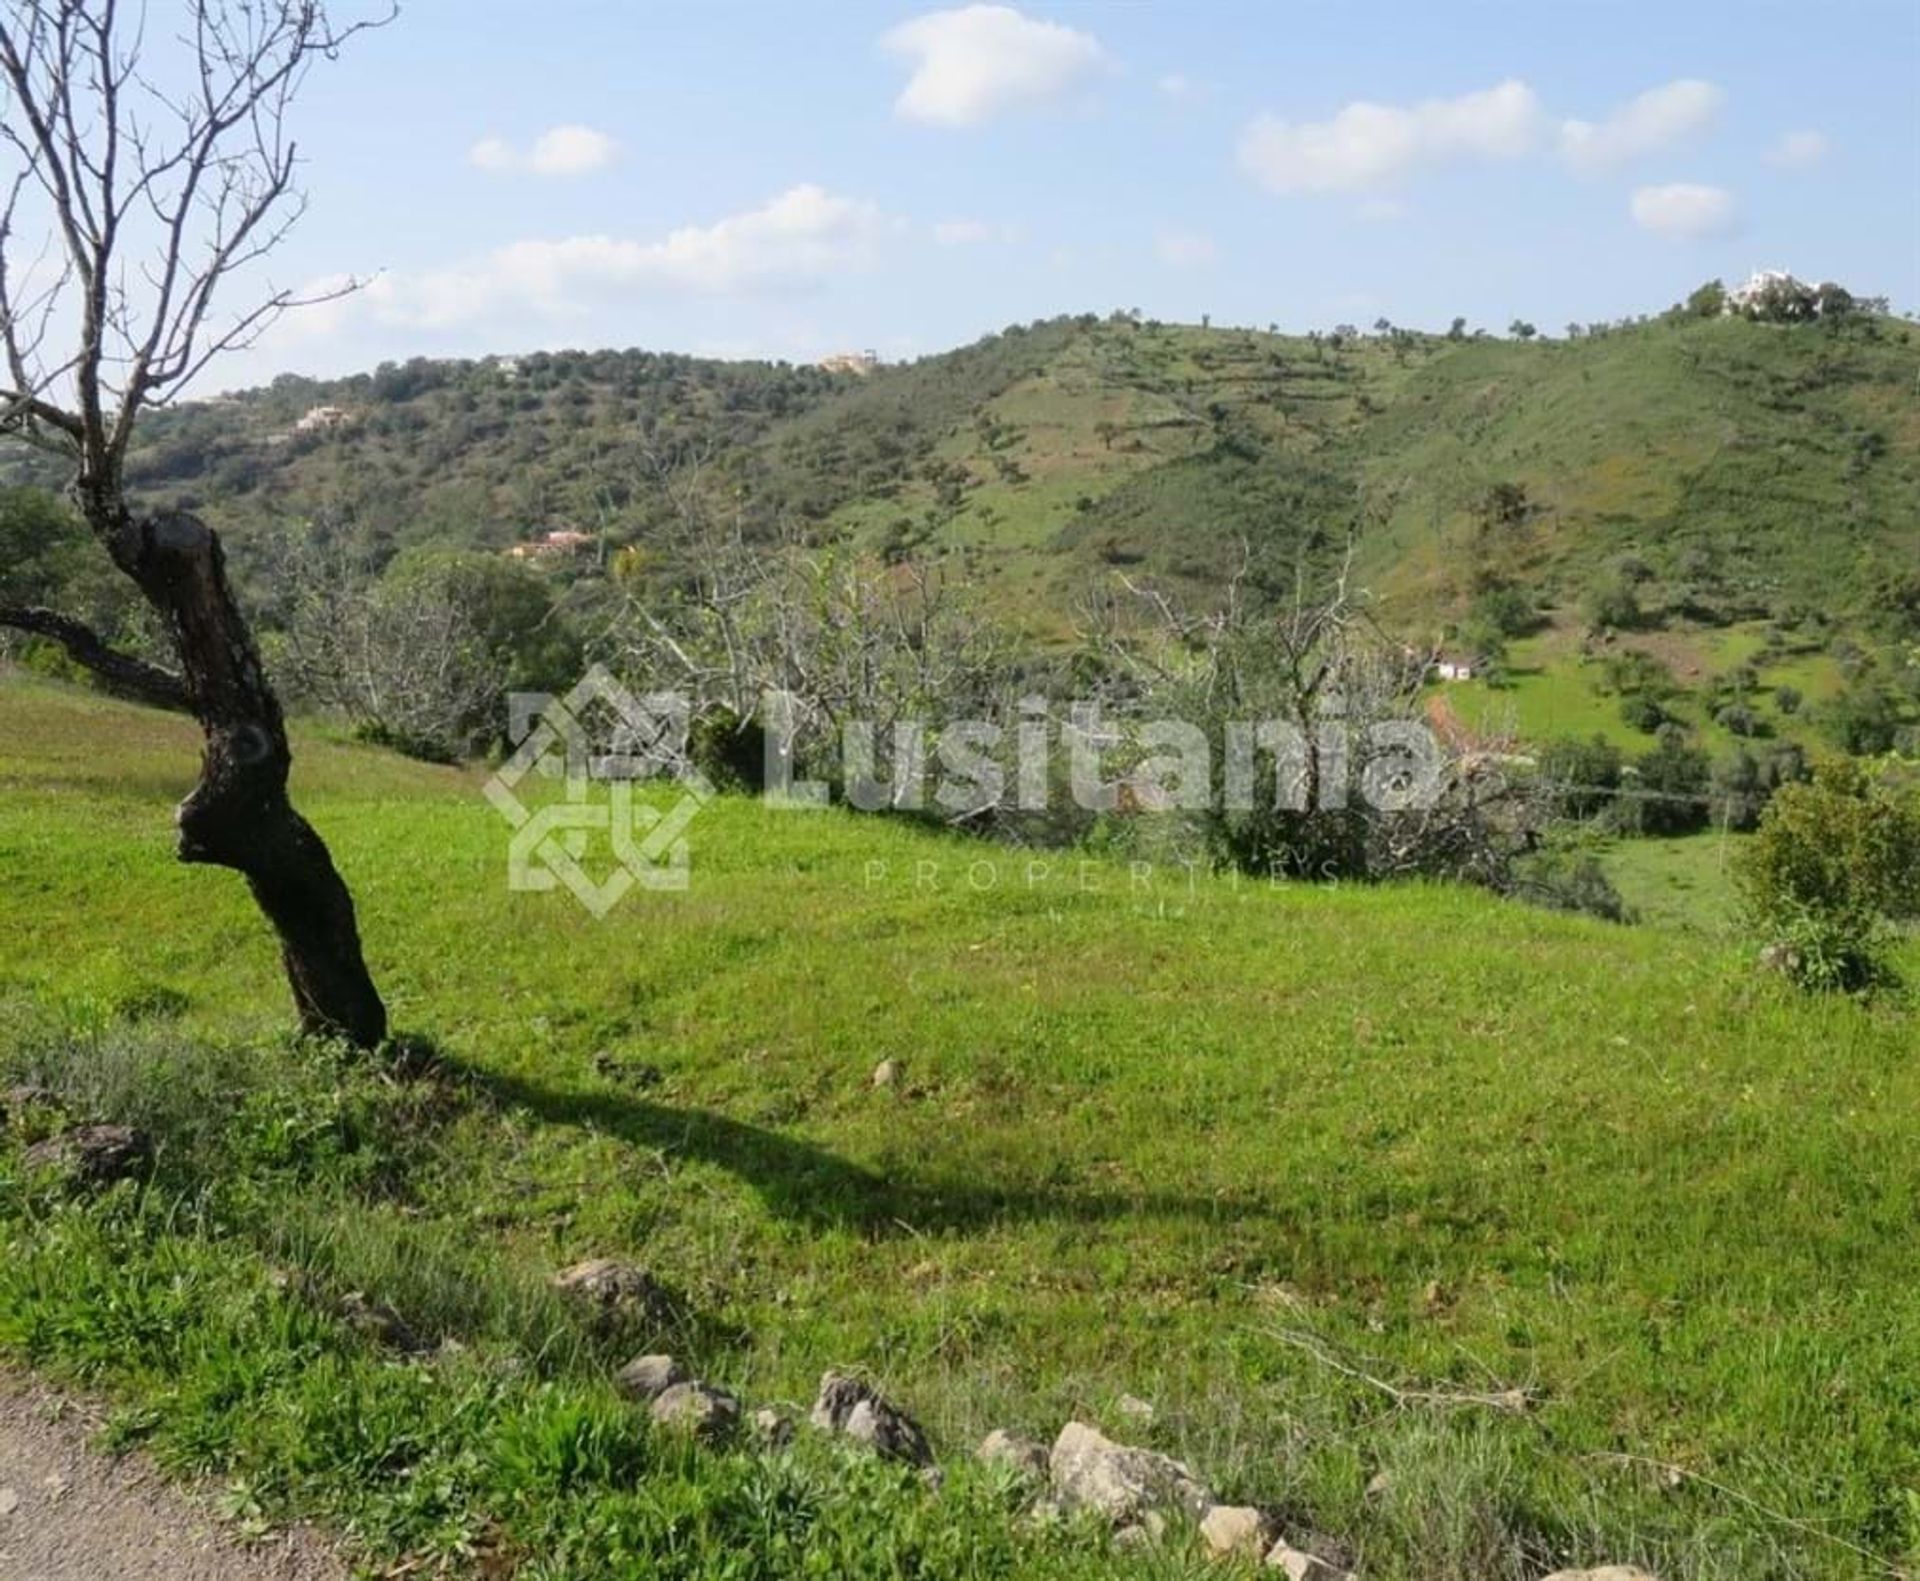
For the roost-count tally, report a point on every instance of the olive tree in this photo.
(149, 165)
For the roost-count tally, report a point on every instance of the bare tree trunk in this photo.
(239, 815)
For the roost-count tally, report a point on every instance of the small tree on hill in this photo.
(1708, 301)
(148, 168)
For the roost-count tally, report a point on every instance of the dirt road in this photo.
(69, 1513)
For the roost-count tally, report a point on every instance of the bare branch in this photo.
(121, 673)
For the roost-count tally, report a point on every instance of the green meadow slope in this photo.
(1315, 1171)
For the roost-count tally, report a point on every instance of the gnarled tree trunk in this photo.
(239, 815)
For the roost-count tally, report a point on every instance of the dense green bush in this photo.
(1642, 712)
(1582, 777)
(1863, 720)
(1668, 792)
(1835, 863)
(1745, 782)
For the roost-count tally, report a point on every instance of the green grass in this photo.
(1678, 883)
(1221, 1145)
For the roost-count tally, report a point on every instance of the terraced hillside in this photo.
(1752, 490)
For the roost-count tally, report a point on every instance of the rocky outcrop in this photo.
(1123, 1484)
(93, 1155)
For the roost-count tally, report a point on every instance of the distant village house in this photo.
(860, 362)
(561, 541)
(323, 419)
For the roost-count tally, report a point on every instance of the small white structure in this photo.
(1779, 295)
(860, 362)
(323, 419)
(564, 540)
(1454, 669)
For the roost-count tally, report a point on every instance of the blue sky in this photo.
(786, 179)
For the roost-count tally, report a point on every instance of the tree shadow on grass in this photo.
(801, 1181)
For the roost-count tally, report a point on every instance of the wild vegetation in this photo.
(1315, 1170)
(1458, 1238)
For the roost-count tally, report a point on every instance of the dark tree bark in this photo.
(119, 673)
(239, 815)
(156, 182)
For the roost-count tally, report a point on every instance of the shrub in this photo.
(1612, 607)
(1787, 699)
(1862, 720)
(1570, 881)
(1582, 777)
(1670, 789)
(1707, 301)
(1743, 784)
(1836, 861)
(1505, 610)
(730, 751)
(1643, 713)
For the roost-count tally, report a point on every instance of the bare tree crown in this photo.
(150, 161)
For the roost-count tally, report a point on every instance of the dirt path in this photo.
(69, 1513)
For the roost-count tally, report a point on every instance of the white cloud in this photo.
(962, 233)
(979, 61)
(1178, 87)
(1658, 119)
(1379, 211)
(1185, 249)
(976, 233)
(1684, 209)
(1800, 150)
(1367, 146)
(558, 151)
(805, 235)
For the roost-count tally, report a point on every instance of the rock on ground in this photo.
(1238, 1530)
(615, 1289)
(1092, 1472)
(1604, 1573)
(380, 1323)
(772, 1426)
(1299, 1565)
(1001, 1448)
(646, 1378)
(709, 1414)
(94, 1155)
(855, 1410)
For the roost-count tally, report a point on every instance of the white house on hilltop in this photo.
(1779, 294)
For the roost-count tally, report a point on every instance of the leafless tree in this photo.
(402, 658)
(849, 641)
(152, 164)
(1318, 663)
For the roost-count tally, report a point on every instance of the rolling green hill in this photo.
(1756, 486)
(1755, 469)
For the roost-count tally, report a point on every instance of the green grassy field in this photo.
(1311, 1169)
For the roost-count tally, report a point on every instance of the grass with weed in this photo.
(1314, 1170)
